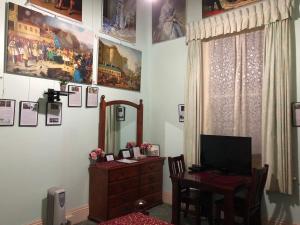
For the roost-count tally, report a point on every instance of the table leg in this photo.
(229, 209)
(176, 203)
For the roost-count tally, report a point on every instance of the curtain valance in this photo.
(255, 15)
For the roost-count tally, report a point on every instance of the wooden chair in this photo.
(249, 207)
(202, 201)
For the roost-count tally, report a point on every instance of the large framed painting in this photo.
(47, 47)
(68, 8)
(168, 20)
(119, 66)
(119, 19)
(213, 7)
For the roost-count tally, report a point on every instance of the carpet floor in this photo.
(163, 212)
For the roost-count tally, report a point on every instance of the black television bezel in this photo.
(246, 172)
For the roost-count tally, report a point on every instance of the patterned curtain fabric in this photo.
(235, 85)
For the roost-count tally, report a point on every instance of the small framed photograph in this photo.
(92, 97)
(136, 152)
(154, 150)
(74, 98)
(296, 114)
(125, 153)
(7, 112)
(28, 114)
(120, 113)
(181, 113)
(53, 113)
(109, 157)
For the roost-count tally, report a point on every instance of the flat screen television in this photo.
(230, 154)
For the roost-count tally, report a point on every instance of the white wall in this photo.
(34, 159)
(168, 72)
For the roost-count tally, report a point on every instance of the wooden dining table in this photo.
(212, 181)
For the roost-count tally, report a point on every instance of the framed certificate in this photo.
(75, 97)
(53, 113)
(296, 114)
(28, 114)
(92, 97)
(7, 112)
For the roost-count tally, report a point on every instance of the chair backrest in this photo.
(176, 165)
(256, 190)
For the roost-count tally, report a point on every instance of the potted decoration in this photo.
(130, 144)
(145, 147)
(63, 84)
(96, 155)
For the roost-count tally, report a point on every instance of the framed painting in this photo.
(214, 7)
(71, 9)
(168, 20)
(119, 66)
(47, 47)
(119, 19)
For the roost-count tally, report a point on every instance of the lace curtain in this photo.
(233, 72)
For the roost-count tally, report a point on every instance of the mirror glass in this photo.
(120, 127)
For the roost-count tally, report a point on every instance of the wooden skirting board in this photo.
(76, 215)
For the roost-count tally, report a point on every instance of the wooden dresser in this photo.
(115, 186)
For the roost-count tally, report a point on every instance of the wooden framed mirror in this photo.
(106, 118)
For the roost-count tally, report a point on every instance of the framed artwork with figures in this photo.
(168, 20)
(214, 7)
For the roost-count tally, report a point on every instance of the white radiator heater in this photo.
(56, 211)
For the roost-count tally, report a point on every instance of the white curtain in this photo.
(276, 113)
(235, 84)
(193, 124)
(243, 18)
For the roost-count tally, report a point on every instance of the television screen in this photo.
(230, 154)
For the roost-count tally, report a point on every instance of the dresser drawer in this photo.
(151, 178)
(120, 210)
(151, 167)
(123, 186)
(123, 173)
(151, 188)
(120, 199)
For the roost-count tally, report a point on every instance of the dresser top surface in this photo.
(117, 165)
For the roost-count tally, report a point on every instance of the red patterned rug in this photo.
(135, 219)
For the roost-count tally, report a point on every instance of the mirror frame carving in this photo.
(102, 118)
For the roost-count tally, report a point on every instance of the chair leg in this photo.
(187, 206)
(198, 214)
(218, 216)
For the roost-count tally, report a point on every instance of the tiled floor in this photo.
(162, 212)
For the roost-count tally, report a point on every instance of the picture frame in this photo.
(7, 112)
(92, 97)
(109, 157)
(296, 114)
(154, 150)
(28, 114)
(75, 98)
(181, 113)
(30, 52)
(125, 153)
(53, 113)
(120, 113)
